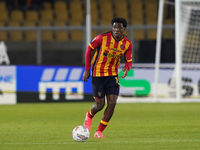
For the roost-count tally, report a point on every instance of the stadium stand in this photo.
(46, 15)
(121, 9)
(76, 19)
(76, 12)
(136, 13)
(4, 16)
(139, 35)
(126, 32)
(30, 35)
(47, 6)
(168, 18)
(15, 35)
(3, 6)
(137, 18)
(3, 34)
(47, 35)
(94, 33)
(151, 17)
(61, 35)
(17, 15)
(60, 6)
(32, 15)
(95, 13)
(61, 13)
(76, 35)
(106, 11)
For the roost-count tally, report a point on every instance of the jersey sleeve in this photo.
(96, 42)
(128, 57)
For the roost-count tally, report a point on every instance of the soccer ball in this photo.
(80, 134)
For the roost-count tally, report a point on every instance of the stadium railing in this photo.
(39, 29)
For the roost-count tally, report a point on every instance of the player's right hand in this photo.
(86, 75)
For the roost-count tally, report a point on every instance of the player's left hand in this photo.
(125, 73)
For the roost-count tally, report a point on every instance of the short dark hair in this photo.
(119, 20)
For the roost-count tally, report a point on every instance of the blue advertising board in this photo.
(53, 79)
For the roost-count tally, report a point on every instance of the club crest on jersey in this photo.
(99, 93)
(121, 46)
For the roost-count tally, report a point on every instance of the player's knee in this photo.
(112, 103)
(100, 106)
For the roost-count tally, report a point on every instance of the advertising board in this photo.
(21, 84)
(7, 85)
(51, 83)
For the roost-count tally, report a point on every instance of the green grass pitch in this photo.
(134, 126)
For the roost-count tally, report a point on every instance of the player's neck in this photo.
(118, 39)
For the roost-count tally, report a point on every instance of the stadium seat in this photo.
(168, 33)
(32, 15)
(60, 6)
(46, 15)
(76, 35)
(168, 21)
(151, 13)
(105, 22)
(106, 10)
(152, 22)
(139, 34)
(106, 30)
(136, 12)
(75, 23)
(121, 9)
(61, 35)
(3, 34)
(61, 15)
(30, 35)
(47, 35)
(126, 32)
(94, 34)
(15, 35)
(17, 15)
(47, 5)
(151, 18)
(76, 10)
(3, 6)
(4, 16)
(94, 12)
(151, 34)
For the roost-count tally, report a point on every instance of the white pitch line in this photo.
(64, 143)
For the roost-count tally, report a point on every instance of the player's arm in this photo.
(88, 56)
(128, 61)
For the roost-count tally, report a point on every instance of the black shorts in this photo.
(102, 86)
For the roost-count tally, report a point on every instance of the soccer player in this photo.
(108, 48)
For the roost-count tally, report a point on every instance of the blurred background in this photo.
(52, 32)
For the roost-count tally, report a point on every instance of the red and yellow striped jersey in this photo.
(108, 51)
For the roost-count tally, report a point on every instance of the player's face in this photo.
(118, 30)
